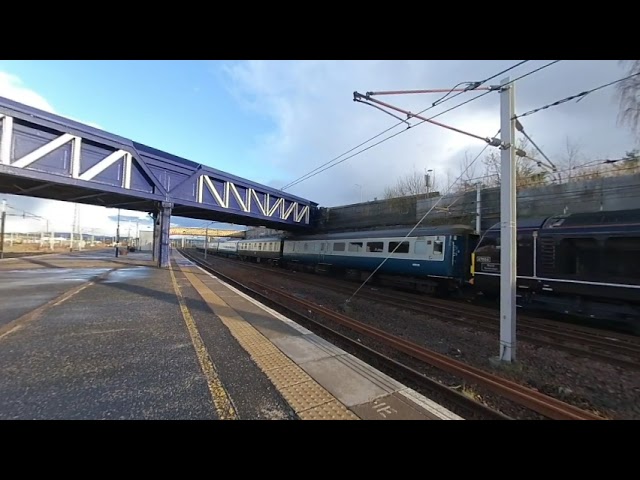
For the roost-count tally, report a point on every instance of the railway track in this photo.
(531, 399)
(581, 341)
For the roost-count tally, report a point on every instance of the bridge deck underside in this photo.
(34, 187)
(72, 193)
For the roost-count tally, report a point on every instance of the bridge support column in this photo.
(165, 225)
(155, 245)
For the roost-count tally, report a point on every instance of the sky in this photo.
(274, 121)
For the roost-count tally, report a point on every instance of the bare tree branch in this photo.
(629, 93)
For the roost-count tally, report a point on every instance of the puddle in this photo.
(123, 275)
(46, 276)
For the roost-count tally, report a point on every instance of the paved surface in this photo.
(28, 283)
(119, 348)
(88, 336)
(319, 380)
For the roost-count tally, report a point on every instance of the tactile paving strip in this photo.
(257, 350)
(329, 411)
(274, 361)
(307, 398)
(304, 396)
(287, 376)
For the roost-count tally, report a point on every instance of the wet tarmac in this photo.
(27, 283)
(23, 290)
(117, 349)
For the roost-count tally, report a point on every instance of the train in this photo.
(429, 259)
(581, 264)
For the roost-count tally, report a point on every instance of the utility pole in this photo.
(508, 253)
(79, 228)
(73, 227)
(478, 208)
(3, 217)
(118, 235)
(206, 241)
(508, 245)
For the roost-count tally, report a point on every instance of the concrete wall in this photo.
(608, 193)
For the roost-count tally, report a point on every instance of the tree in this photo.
(629, 93)
(527, 171)
(413, 183)
(467, 177)
(631, 161)
(571, 162)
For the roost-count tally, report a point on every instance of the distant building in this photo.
(256, 232)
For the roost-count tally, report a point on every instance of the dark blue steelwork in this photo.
(69, 173)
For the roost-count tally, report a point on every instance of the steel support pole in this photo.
(165, 224)
(478, 208)
(3, 216)
(118, 235)
(206, 241)
(508, 253)
(155, 243)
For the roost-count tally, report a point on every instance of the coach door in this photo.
(323, 251)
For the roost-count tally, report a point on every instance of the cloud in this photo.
(55, 215)
(13, 88)
(60, 216)
(314, 119)
(42, 214)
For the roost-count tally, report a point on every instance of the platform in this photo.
(91, 336)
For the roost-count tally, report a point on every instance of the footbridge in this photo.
(49, 156)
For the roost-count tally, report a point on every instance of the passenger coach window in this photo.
(355, 246)
(403, 248)
(375, 246)
(338, 247)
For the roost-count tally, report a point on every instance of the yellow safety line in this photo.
(307, 397)
(221, 400)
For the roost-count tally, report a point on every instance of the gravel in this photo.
(607, 390)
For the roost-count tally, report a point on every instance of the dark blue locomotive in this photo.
(582, 264)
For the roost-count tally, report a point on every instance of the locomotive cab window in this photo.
(623, 258)
(420, 247)
(579, 256)
(403, 247)
(438, 247)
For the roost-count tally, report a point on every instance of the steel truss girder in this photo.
(45, 147)
(82, 167)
